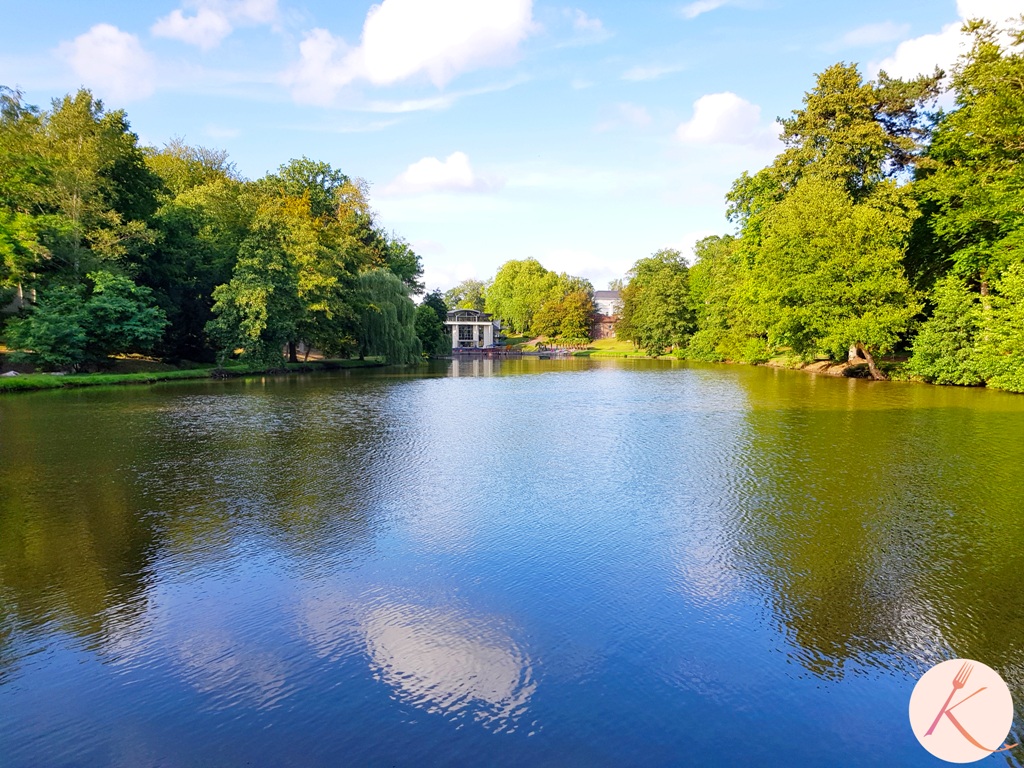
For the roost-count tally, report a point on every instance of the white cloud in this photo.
(405, 39)
(205, 30)
(440, 38)
(626, 114)
(725, 118)
(323, 69)
(920, 55)
(454, 174)
(640, 73)
(213, 20)
(695, 9)
(581, 22)
(586, 29)
(584, 263)
(870, 34)
(111, 62)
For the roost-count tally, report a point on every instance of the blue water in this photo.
(512, 563)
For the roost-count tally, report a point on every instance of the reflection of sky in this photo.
(445, 660)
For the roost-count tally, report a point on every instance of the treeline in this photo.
(881, 227)
(529, 299)
(108, 247)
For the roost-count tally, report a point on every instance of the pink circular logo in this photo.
(961, 711)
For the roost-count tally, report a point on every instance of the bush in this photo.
(67, 329)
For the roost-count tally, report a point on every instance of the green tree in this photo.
(945, 349)
(718, 279)
(259, 309)
(433, 336)
(1003, 340)
(101, 189)
(69, 329)
(469, 294)
(387, 327)
(973, 183)
(829, 272)
(656, 310)
(518, 291)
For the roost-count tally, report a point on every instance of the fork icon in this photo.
(958, 682)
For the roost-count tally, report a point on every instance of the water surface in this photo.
(501, 563)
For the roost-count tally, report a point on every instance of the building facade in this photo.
(606, 313)
(472, 329)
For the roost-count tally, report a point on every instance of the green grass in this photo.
(37, 381)
(611, 348)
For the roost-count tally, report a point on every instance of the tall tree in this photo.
(387, 327)
(829, 272)
(258, 310)
(656, 310)
(973, 182)
(469, 294)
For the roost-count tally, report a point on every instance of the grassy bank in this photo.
(36, 381)
(611, 348)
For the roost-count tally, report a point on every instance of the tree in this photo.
(829, 272)
(469, 294)
(101, 188)
(656, 312)
(259, 309)
(404, 262)
(182, 167)
(68, 329)
(973, 183)
(387, 327)
(718, 279)
(433, 336)
(945, 349)
(436, 301)
(1003, 340)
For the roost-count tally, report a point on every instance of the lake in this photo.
(502, 563)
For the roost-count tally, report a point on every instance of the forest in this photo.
(108, 247)
(887, 229)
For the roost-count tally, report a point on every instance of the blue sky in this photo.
(586, 134)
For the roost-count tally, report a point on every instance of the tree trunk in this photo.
(876, 374)
(293, 355)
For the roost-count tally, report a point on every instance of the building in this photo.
(472, 329)
(606, 311)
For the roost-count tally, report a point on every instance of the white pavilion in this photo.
(472, 329)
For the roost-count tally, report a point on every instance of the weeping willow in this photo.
(387, 327)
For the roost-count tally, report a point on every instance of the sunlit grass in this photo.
(37, 381)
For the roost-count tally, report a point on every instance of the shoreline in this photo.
(37, 382)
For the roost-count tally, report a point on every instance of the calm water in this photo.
(527, 563)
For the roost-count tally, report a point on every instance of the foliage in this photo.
(433, 336)
(67, 329)
(259, 309)
(526, 297)
(945, 349)
(432, 333)
(387, 327)
(656, 312)
(829, 272)
(469, 294)
(973, 182)
(1003, 341)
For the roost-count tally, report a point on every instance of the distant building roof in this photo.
(606, 296)
(467, 313)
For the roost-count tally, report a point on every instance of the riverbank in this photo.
(894, 368)
(29, 382)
